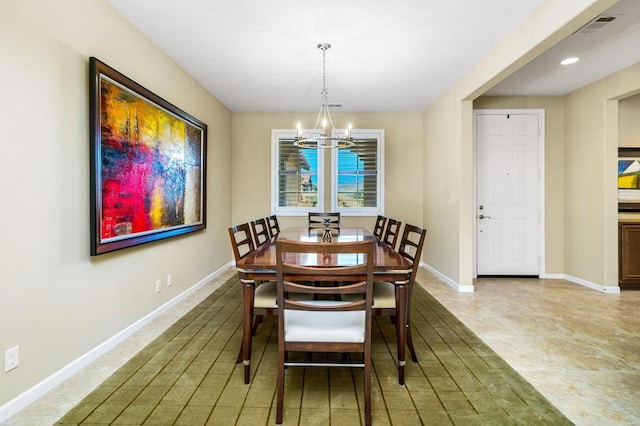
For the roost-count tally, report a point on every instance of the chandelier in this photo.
(324, 135)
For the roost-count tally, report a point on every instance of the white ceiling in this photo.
(613, 47)
(257, 55)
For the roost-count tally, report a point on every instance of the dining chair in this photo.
(274, 227)
(324, 220)
(384, 295)
(391, 233)
(241, 240)
(326, 325)
(260, 231)
(378, 228)
(264, 299)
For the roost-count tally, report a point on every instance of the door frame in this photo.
(541, 182)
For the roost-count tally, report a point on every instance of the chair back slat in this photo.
(345, 289)
(391, 234)
(324, 273)
(260, 231)
(302, 306)
(296, 278)
(378, 228)
(241, 241)
(321, 220)
(410, 248)
(272, 223)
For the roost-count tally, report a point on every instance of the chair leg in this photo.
(412, 350)
(239, 358)
(367, 392)
(256, 322)
(280, 388)
(248, 291)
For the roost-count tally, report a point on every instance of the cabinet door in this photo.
(629, 238)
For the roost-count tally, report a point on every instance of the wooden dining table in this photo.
(260, 265)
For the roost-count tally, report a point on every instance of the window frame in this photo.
(361, 211)
(276, 135)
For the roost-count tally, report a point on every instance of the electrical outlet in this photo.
(169, 280)
(158, 286)
(11, 358)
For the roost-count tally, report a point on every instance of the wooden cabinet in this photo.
(629, 254)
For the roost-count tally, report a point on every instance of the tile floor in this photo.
(578, 347)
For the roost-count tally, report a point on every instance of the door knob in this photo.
(484, 217)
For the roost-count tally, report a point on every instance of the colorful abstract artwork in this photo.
(148, 161)
(629, 179)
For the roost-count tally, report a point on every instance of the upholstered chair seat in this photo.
(322, 326)
(384, 295)
(266, 295)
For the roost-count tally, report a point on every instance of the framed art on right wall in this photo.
(629, 179)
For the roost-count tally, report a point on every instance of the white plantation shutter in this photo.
(357, 175)
(297, 176)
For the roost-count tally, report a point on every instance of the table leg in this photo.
(401, 326)
(248, 292)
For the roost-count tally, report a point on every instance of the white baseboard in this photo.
(37, 391)
(576, 280)
(594, 286)
(449, 281)
(566, 277)
(552, 277)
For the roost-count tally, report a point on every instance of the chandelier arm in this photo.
(320, 137)
(315, 126)
(331, 124)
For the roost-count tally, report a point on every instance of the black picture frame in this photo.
(624, 205)
(147, 166)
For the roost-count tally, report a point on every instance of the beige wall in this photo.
(57, 302)
(553, 107)
(251, 163)
(591, 143)
(629, 119)
(442, 188)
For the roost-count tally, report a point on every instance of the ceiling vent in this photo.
(596, 25)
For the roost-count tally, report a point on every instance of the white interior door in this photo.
(508, 203)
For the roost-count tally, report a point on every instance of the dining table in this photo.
(260, 265)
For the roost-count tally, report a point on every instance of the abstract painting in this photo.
(147, 164)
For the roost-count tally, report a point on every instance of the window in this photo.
(297, 182)
(357, 177)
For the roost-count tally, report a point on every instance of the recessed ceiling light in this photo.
(569, 61)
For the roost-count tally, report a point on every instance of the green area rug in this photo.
(188, 376)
